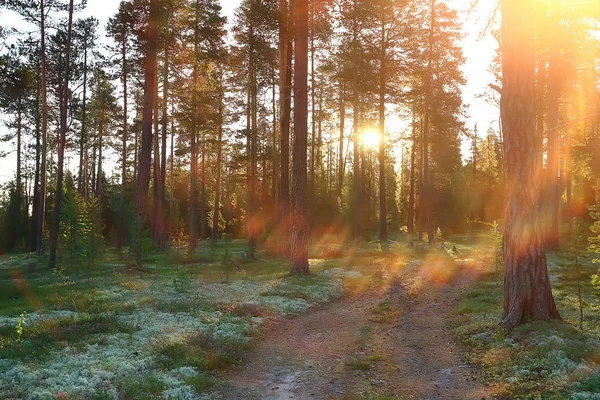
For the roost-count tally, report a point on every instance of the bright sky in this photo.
(479, 54)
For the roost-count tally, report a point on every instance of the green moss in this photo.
(147, 386)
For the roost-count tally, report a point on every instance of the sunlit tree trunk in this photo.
(215, 222)
(552, 98)
(193, 234)
(341, 156)
(527, 291)
(411, 193)
(299, 247)
(426, 185)
(357, 189)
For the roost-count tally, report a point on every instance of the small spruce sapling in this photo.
(496, 239)
(576, 246)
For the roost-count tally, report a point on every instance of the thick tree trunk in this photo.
(527, 291)
(62, 140)
(427, 192)
(299, 248)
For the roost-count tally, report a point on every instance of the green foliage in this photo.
(202, 350)
(19, 327)
(73, 221)
(496, 240)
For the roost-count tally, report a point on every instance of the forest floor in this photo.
(371, 322)
(393, 339)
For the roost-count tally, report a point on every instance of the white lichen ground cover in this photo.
(154, 310)
(538, 360)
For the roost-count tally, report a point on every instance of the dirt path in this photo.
(404, 348)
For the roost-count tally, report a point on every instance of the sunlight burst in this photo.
(371, 138)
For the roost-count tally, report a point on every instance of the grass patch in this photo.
(39, 339)
(147, 386)
(550, 360)
(200, 350)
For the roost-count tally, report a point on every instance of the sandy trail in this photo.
(406, 350)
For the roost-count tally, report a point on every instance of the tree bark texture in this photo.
(527, 291)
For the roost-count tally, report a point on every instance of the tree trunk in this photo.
(193, 235)
(83, 138)
(252, 143)
(552, 99)
(312, 112)
(172, 164)
(36, 184)
(299, 247)
(383, 234)
(285, 108)
(203, 189)
(411, 193)
(215, 222)
(145, 158)
(527, 291)
(61, 145)
(163, 154)
(98, 188)
(43, 179)
(274, 157)
(124, 136)
(120, 224)
(157, 214)
(342, 164)
(427, 192)
(356, 204)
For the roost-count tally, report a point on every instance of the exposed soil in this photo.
(404, 348)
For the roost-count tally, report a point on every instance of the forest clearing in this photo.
(299, 199)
